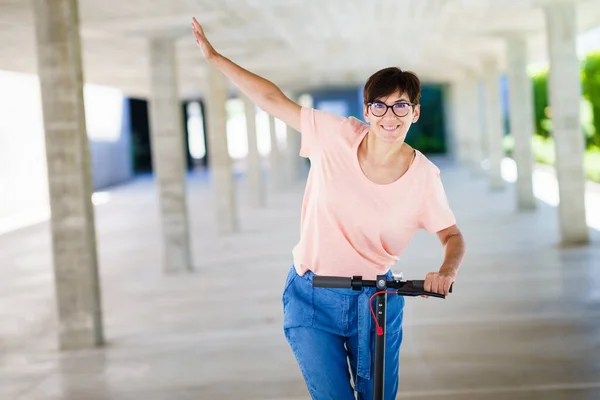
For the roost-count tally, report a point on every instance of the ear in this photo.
(416, 113)
(365, 111)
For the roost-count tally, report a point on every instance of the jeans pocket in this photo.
(331, 309)
(297, 300)
(292, 274)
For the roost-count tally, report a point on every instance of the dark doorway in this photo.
(194, 117)
(141, 142)
(140, 136)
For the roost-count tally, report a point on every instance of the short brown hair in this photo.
(389, 80)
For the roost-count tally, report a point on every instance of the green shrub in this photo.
(540, 103)
(543, 153)
(508, 143)
(590, 76)
(591, 163)
(543, 150)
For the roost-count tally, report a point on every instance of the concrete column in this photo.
(494, 127)
(467, 142)
(295, 163)
(474, 124)
(521, 120)
(69, 174)
(219, 160)
(482, 142)
(168, 156)
(276, 172)
(565, 97)
(255, 182)
(450, 118)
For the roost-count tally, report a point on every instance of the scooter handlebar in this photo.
(336, 282)
(406, 288)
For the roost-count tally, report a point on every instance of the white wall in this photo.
(109, 130)
(23, 173)
(23, 179)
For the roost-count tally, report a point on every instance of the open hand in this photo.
(439, 282)
(207, 50)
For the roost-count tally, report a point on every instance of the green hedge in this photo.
(590, 116)
(543, 143)
(543, 153)
(590, 77)
(540, 103)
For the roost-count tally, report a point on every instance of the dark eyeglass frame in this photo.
(388, 107)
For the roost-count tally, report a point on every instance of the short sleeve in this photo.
(436, 213)
(316, 127)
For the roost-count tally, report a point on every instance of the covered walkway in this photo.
(523, 323)
(191, 267)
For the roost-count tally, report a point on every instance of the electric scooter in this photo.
(402, 288)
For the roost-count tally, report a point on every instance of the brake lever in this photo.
(404, 292)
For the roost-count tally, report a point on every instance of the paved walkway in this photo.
(523, 323)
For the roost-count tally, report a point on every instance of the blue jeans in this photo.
(332, 335)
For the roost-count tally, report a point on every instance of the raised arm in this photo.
(260, 91)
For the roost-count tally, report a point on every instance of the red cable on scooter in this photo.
(379, 328)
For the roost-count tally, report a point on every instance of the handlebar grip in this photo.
(420, 285)
(337, 282)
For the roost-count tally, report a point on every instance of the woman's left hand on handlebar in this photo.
(439, 282)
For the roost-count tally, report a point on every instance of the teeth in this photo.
(389, 127)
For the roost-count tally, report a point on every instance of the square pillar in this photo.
(168, 155)
(565, 99)
(69, 174)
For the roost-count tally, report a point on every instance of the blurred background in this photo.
(148, 209)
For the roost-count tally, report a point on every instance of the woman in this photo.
(367, 194)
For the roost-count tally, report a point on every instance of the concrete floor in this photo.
(523, 322)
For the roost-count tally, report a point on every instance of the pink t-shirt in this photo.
(349, 224)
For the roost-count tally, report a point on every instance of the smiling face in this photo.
(391, 98)
(390, 117)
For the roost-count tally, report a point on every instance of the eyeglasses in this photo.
(379, 109)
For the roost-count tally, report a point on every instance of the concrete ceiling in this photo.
(298, 44)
